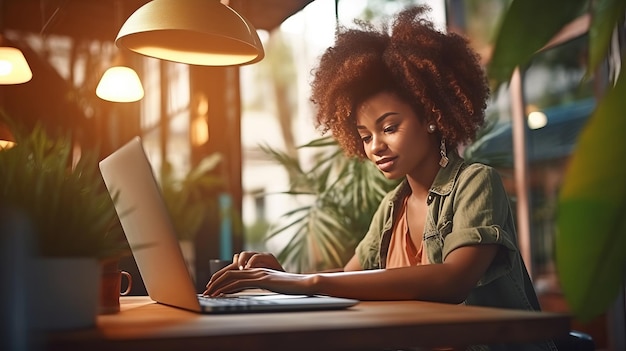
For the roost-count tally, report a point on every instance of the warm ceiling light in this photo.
(13, 66)
(197, 32)
(120, 84)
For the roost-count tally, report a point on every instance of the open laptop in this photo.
(145, 220)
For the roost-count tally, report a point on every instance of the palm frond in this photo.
(346, 192)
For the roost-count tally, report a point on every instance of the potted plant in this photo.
(343, 194)
(192, 200)
(591, 203)
(74, 224)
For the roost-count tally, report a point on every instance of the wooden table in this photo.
(145, 325)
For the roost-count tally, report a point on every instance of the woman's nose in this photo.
(377, 145)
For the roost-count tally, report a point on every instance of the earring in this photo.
(432, 128)
(444, 154)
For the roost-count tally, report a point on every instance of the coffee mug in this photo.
(111, 290)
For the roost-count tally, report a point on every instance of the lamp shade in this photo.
(13, 66)
(7, 140)
(197, 32)
(120, 84)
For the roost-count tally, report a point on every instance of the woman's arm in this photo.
(250, 259)
(448, 282)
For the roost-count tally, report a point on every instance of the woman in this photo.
(405, 99)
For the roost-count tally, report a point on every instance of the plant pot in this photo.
(67, 293)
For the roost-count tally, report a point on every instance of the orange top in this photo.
(402, 251)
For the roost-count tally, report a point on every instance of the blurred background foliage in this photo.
(591, 227)
(344, 194)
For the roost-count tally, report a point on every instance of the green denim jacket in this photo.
(467, 205)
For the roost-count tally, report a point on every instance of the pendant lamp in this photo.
(120, 84)
(13, 66)
(7, 140)
(196, 32)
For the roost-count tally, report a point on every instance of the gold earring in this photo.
(444, 155)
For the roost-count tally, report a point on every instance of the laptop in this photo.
(128, 176)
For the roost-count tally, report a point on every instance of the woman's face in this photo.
(394, 138)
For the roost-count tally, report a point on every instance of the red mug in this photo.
(110, 290)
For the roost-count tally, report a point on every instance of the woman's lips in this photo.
(386, 164)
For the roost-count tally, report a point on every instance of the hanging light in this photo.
(120, 84)
(13, 66)
(197, 32)
(7, 140)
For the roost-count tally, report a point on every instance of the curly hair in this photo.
(437, 74)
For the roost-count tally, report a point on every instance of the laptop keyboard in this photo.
(230, 303)
(232, 300)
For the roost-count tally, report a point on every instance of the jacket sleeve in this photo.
(368, 250)
(482, 215)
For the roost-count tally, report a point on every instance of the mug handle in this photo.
(129, 278)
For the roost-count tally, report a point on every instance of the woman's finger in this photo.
(264, 260)
(244, 257)
(233, 281)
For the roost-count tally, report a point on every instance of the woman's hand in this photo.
(235, 280)
(247, 260)
(250, 259)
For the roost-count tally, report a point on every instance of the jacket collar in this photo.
(446, 177)
(444, 180)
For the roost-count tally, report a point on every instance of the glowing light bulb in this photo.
(13, 66)
(120, 84)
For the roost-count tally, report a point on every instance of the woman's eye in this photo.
(390, 129)
(366, 138)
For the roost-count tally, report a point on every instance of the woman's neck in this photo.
(420, 182)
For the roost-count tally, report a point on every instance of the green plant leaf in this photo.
(193, 199)
(320, 142)
(591, 239)
(69, 206)
(344, 193)
(527, 26)
(606, 16)
(591, 234)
